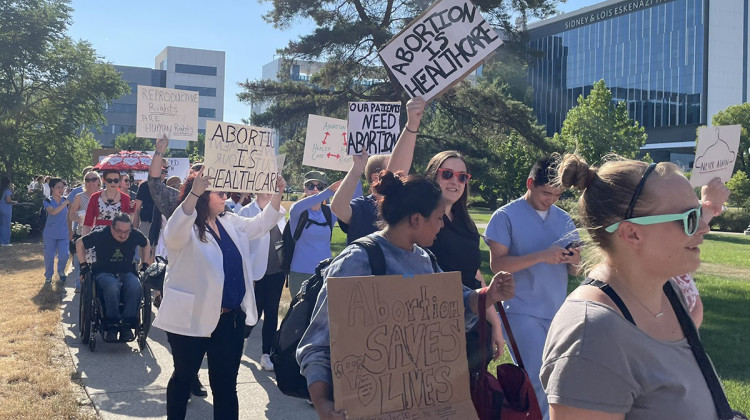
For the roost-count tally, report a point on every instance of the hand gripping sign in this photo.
(439, 48)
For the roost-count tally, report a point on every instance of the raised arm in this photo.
(307, 202)
(341, 199)
(403, 153)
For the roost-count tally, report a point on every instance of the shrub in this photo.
(731, 220)
(739, 186)
(26, 211)
(19, 232)
(477, 201)
(293, 198)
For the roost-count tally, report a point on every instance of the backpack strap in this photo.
(301, 225)
(374, 254)
(609, 291)
(435, 267)
(327, 213)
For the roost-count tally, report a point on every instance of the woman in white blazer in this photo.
(267, 289)
(208, 291)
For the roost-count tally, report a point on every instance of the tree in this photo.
(598, 126)
(737, 114)
(128, 141)
(51, 87)
(348, 35)
(194, 149)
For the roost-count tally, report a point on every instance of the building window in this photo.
(193, 69)
(121, 129)
(207, 112)
(202, 91)
(122, 108)
(133, 88)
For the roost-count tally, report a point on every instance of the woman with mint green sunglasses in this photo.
(617, 349)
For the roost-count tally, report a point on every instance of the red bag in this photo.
(510, 396)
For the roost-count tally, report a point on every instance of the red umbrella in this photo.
(125, 161)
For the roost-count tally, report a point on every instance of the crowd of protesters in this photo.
(612, 334)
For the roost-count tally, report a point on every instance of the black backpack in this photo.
(288, 241)
(284, 347)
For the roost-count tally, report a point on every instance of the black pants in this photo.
(267, 296)
(224, 350)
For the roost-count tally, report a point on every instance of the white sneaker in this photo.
(265, 362)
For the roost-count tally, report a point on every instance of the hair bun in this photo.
(388, 184)
(575, 172)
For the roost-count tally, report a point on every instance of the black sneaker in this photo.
(197, 388)
(111, 335)
(126, 334)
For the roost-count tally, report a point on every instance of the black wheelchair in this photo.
(91, 313)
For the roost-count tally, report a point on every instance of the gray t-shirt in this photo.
(595, 359)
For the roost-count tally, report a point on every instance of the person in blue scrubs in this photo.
(56, 231)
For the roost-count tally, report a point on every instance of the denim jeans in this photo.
(5, 227)
(109, 290)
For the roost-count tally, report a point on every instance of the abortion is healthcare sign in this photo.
(240, 158)
(439, 48)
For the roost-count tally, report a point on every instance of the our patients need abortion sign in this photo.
(440, 47)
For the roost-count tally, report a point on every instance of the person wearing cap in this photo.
(314, 245)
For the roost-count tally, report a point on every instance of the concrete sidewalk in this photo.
(125, 383)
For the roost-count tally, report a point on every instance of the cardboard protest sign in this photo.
(241, 158)
(372, 126)
(162, 111)
(439, 48)
(325, 144)
(398, 346)
(715, 153)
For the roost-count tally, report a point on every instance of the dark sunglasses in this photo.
(447, 174)
(312, 185)
(92, 179)
(112, 180)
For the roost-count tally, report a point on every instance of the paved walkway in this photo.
(125, 383)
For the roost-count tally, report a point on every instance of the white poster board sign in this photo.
(162, 111)
(373, 126)
(439, 48)
(177, 166)
(715, 153)
(240, 158)
(325, 144)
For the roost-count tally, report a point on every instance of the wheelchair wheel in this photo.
(85, 311)
(141, 340)
(92, 343)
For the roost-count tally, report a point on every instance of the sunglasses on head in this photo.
(448, 174)
(690, 220)
(313, 185)
(112, 180)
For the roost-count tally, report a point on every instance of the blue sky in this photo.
(132, 33)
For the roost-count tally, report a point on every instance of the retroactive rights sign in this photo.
(240, 158)
(163, 111)
(439, 48)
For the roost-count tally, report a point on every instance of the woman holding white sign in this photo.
(208, 291)
(411, 211)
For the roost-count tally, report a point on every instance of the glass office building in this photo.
(652, 54)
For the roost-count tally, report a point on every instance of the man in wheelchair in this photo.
(114, 250)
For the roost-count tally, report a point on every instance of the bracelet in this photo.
(158, 154)
(191, 192)
(411, 131)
